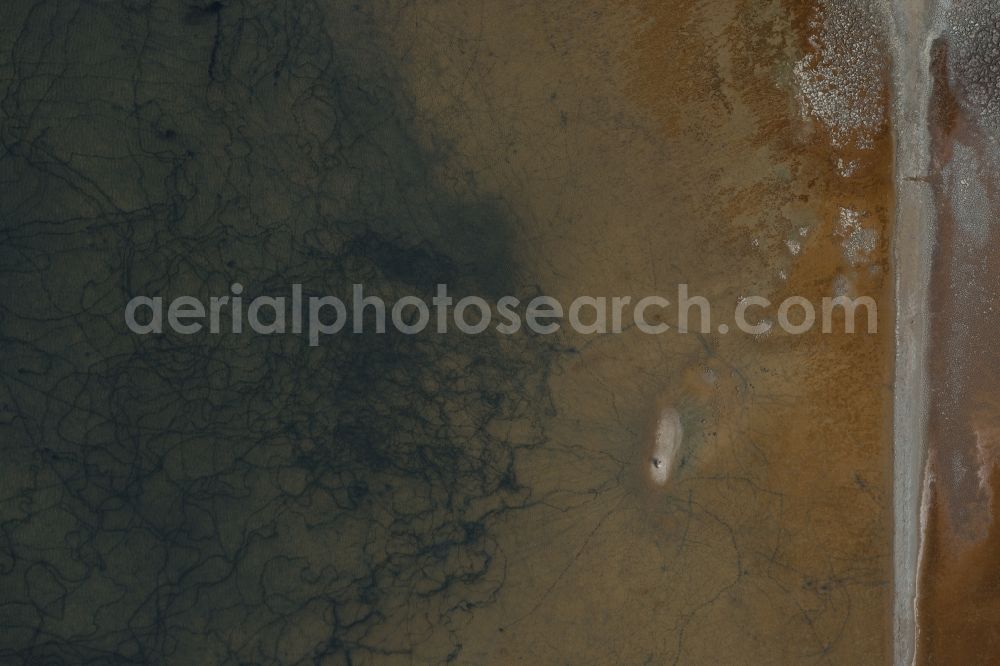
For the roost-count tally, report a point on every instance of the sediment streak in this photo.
(912, 244)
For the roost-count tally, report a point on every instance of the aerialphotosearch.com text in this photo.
(318, 316)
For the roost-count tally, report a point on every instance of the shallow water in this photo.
(958, 604)
(643, 147)
(419, 499)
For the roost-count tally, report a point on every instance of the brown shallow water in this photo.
(959, 595)
(646, 145)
